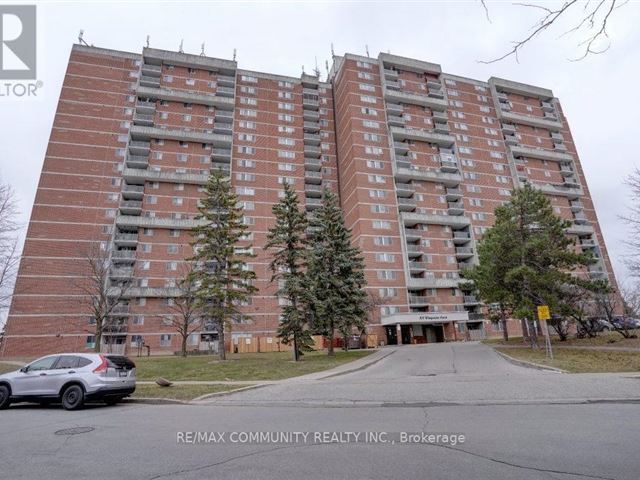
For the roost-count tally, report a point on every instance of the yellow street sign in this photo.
(543, 312)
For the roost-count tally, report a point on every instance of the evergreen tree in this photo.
(288, 238)
(526, 259)
(336, 273)
(221, 278)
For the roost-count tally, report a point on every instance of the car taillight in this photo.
(103, 365)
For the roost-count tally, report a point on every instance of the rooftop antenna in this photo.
(202, 50)
(366, 47)
(234, 54)
(181, 50)
(80, 39)
(333, 54)
(326, 66)
(148, 38)
(303, 70)
(317, 70)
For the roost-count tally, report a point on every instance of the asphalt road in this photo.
(518, 423)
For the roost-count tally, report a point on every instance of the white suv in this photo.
(71, 378)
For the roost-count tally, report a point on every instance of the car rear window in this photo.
(83, 362)
(66, 361)
(118, 361)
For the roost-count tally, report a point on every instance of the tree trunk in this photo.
(184, 345)
(222, 353)
(503, 320)
(525, 329)
(330, 351)
(296, 355)
(98, 336)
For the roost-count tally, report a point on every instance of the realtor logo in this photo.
(18, 41)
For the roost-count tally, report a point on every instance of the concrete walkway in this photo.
(603, 348)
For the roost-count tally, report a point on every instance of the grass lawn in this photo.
(604, 339)
(238, 367)
(6, 367)
(181, 392)
(579, 360)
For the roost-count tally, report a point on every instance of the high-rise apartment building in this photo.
(419, 158)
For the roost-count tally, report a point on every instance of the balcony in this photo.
(313, 127)
(580, 230)
(145, 133)
(431, 281)
(153, 222)
(123, 256)
(470, 300)
(126, 239)
(571, 182)
(395, 121)
(390, 74)
(440, 127)
(415, 266)
(223, 167)
(395, 109)
(312, 151)
(223, 116)
(221, 154)
(557, 136)
(404, 190)
(508, 129)
(312, 203)
(547, 107)
(414, 99)
(456, 221)
(587, 243)
(401, 147)
(563, 190)
(580, 218)
(437, 93)
(419, 300)
(427, 175)
(143, 119)
(313, 177)
(440, 116)
(453, 194)
(576, 206)
(151, 82)
(541, 154)
(312, 139)
(311, 115)
(313, 190)
(222, 128)
(227, 92)
(406, 204)
(226, 80)
(430, 136)
(511, 140)
(121, 273)
(310, 103)
(133, 192)
(566, 170)
(448, 164)
(456, 208)
(116, 311)
(412, 234)
(461, 237)
(559, 147)
(139, 147)
(531, 120)
(464, 252)
(137, 161)
(414, 250)
(151, 70)
(392, 84)
(131, 207)
(145, 107)
(137, 176)
(185, 96)
(314, 164)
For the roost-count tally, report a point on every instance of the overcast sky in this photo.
(600, 94)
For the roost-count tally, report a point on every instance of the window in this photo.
(381, 224)
(373, 150)
(387, 292)
(370, 124)
(367, 87)
(246, 150)
(248, 113)
(46, 363)
(369, 111)
(283, 84)
(383, 241)
(377, 164)
(248, 79)
(286, 141)
(365, 76)
(90, 341)
(246, 89)
(247, 124)
(137, 340)
(285, 95)
(368, 99)
(177, 201)
(245, 191)
(377, 179)
(172, 266)
(371, 137)
(138, 320)
(385, 257)
(285, 106)
(245, 177)
(465, 150)
(286, 167)
(285, 118)
(246, 137)
(377, 193)
(386, 275)
(165, 340)
(380, 208)
(363, 65)
(246, 163)
(286, 154)
(248, 101)
(285, 129)
(172, 248)
(475, 202)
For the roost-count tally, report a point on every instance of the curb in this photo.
(206, 396)
(526, 364)
(357, 369)
(155, 401)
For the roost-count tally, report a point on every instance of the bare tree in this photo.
(9, 256)
(591, 21)
(608, 305)
(631, 299)
(106, 299)
(185, 313)
(633, 220)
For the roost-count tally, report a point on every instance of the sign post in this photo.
(543, 315)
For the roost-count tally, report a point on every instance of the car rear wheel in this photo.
(5, 397)
(73, 398)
